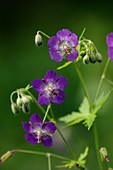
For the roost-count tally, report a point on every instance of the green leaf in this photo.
(89, 120)
(84, 107)
(81, 160)
(64, 65)
(97, 105)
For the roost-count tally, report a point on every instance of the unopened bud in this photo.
(104, 154)
(15, 108)
(82, 53)
(99, 57)
(26, 99)
(5, 156)
(38, 39)
(86, 59)
(92, 57)
(26, 108)
(19, 102)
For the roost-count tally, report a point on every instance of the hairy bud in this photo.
(38, 39)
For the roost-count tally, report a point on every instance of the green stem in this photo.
(109, 81)
(67, 145)
(44, 34)
(49, 161)
(82, 34)
(39, 153)
(83, 83)
(102, 78)
(46, 112)
(97, 146)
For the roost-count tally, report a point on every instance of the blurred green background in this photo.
(21, 62)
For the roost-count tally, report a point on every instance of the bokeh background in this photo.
(21, 62)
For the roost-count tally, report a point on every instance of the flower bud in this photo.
(38, 39)
(15, 108)
(99, 57)
(19, 102)
(104, 154)
(92, 57)
(5, 156)
(82, 53)
(86, 59)
(26, 99)
(26, 108)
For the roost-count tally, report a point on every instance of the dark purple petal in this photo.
(110, 52)
(50, 76)
(36, 120)
(56, 55)
(63, 34)
(73, 39)
(47, 141)
(72, 56)
(49, 127)
(43, 99)
(53, 42)
(58, 97)
(38, 85)
(27, 127)
(61, 83)
(109, 39)
(31, 139)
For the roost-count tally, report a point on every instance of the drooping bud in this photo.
(99, 57)
(19, 102)
(26, 108)
(86, 59)
(5, 156)
(82, 53)
(92, 57)
(104, 154)
(15, 108)
(38, 39)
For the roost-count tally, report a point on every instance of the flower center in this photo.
(65, 48)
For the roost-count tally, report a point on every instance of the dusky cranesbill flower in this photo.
(109, 41)
(50, 88)
(39, 131)
(63, 45)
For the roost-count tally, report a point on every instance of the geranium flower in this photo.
(63, 45)
(50, 88)
(109, 41)
(37, 131)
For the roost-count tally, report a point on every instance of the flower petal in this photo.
(73, 39)
(36, 120)
(50, 76)
(109, 39)
(110, 52)
(47, 141)
(72, 56)
(49, 127)
(58, 97)
(31, 139)
(56, 55)
(53, 42)
(38, 85)
(43, 99)
(63, 34)
(61, 83)
(27, 127)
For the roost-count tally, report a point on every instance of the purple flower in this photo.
(50, 88)
(39, 131)
(109, 41)
(63, 45)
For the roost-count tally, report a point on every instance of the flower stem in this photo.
(44, 34)
(46, 112)
(97, 146)
(102, 78)
(67, 145)
(49, 161)
(39, 153)
(83, 83)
